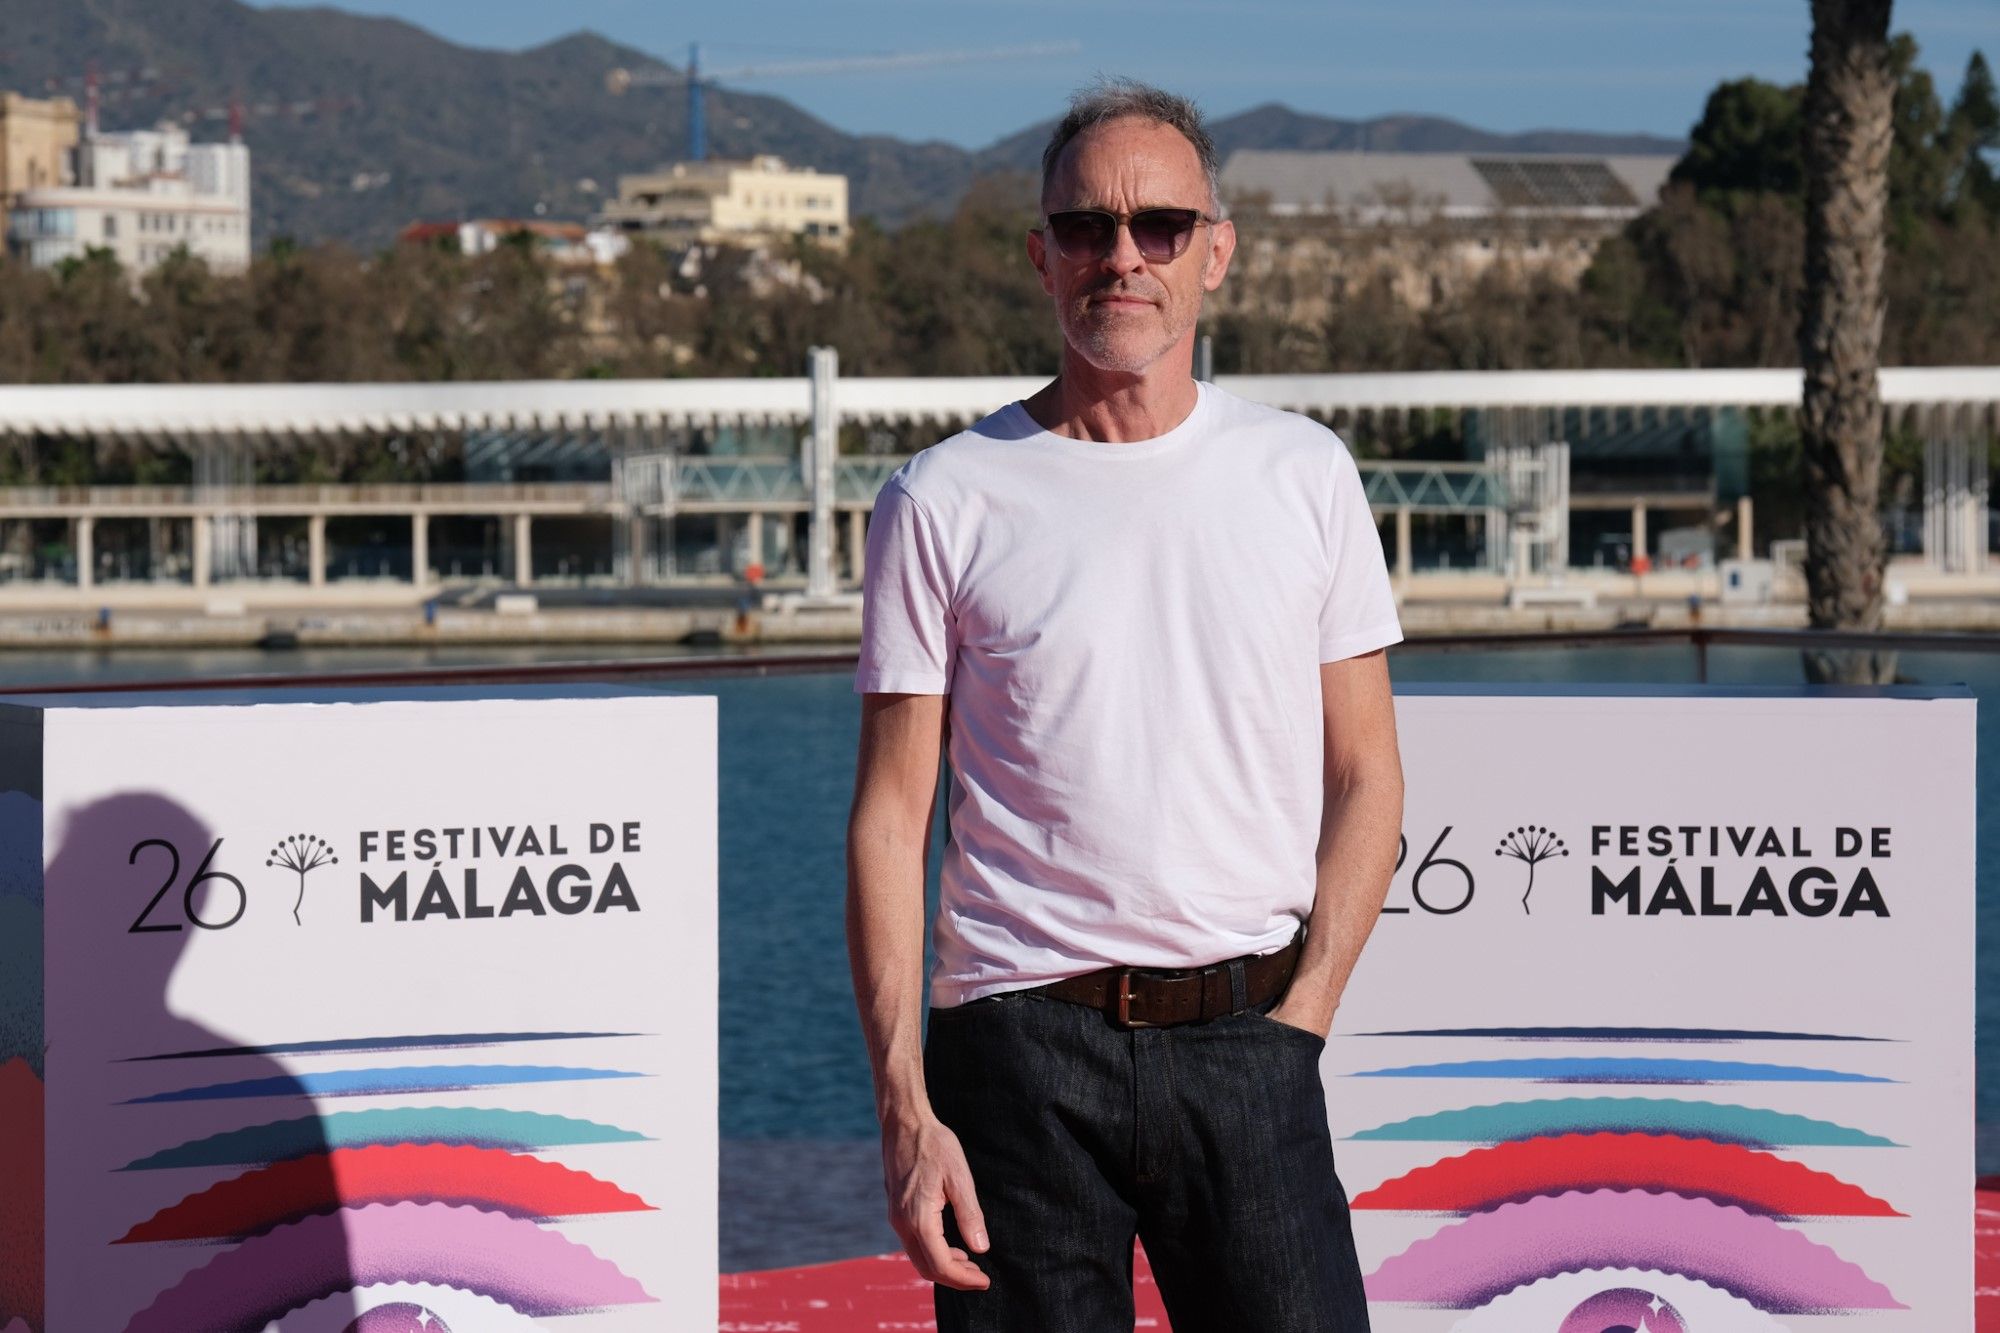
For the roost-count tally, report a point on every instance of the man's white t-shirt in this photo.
(1130, 636)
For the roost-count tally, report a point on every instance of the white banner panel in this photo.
(1668, 1026)
(364, 1018)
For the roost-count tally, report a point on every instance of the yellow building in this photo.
(758, 200)
(36, 138)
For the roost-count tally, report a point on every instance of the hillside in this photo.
(408, 125)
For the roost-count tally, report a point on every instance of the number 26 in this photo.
(1432, 861)
(140, 926)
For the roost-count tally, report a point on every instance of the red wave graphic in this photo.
(20, 1194)
(489, 1178)
(1729, 1173)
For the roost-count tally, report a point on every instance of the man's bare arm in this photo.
(923, 1167)
(1359, 830)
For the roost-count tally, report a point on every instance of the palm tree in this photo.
(1849, 124)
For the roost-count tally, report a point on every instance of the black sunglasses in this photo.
(1161, 234)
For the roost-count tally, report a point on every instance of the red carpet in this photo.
(882, 1294)
(864, 1296)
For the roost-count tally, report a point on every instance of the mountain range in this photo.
(359, 124)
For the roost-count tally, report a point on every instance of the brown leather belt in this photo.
(1150, 998)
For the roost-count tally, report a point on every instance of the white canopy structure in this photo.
(641, 426)
(276, 412)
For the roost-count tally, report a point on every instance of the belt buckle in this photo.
(1125, 1019)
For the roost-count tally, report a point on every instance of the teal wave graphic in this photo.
(282, 1140)
(1719, 1122)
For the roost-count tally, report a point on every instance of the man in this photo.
(1146, 617)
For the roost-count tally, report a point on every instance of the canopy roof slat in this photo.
(251, 411)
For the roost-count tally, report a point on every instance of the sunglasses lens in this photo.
(1082, 234)
(1162, 233)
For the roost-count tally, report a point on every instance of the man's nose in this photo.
(1124, 256)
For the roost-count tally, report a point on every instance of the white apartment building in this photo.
(141, 194)
(761, 199)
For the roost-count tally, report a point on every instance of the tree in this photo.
(1849, 127)
(23, 296)
(97, 325)
(203, 321)
(1974, 125)
(513, 326)
(1920, 158)
(1747, 139)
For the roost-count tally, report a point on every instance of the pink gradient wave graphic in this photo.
(534, 1270)
(1777, 1270)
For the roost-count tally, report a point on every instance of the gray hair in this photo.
(1114, 99)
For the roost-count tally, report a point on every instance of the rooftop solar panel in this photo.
(1541, 183)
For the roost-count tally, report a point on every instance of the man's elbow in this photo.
(1376, 773)
(878, 827)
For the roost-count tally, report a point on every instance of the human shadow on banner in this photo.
(204, 1191)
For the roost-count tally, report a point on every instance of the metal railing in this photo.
(700, 484)
(1435, 488)
(460, 497)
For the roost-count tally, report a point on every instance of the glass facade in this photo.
(30, 224)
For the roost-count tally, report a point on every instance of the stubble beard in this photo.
(1110, 343)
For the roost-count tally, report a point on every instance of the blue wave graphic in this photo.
(363, 1045)
(368, 1082)
(1593, 1069)
(1622, 1034)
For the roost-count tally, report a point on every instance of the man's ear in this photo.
(1038, 255)
(1221, 248)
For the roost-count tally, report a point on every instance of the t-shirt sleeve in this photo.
(908, 633)
(1359, 614)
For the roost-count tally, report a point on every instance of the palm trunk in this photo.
(1849, 108)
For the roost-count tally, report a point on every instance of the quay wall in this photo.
(284, 616)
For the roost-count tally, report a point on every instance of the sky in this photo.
(1504, 65)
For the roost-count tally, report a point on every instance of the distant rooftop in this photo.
(721, 168)
(1387, 186)
(540, 228)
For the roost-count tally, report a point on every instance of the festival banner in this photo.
(360, 1018)
(1668, 1023)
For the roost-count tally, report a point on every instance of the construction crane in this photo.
(620, 81)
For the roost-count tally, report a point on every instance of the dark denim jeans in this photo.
(1208, 1141)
